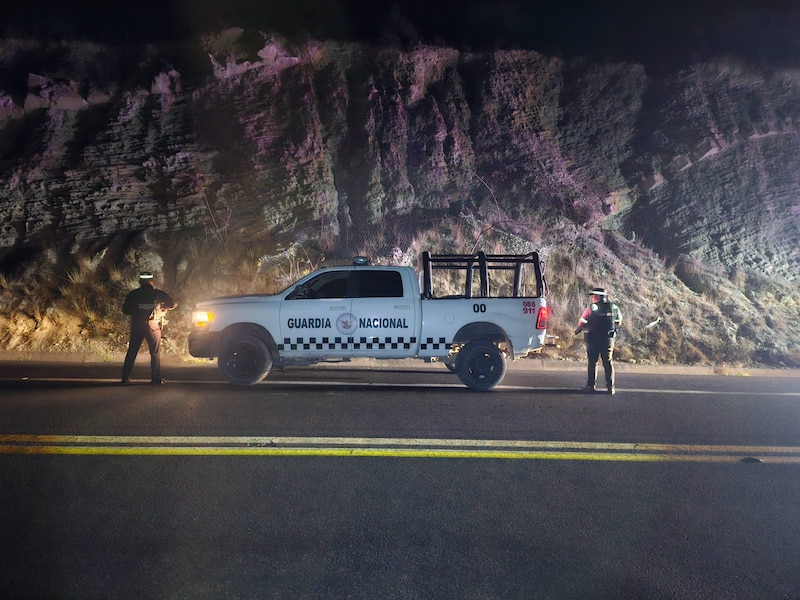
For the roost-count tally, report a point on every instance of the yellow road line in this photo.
(388, 447)
(366, 441)
(382, 453)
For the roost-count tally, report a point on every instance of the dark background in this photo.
(670, 32)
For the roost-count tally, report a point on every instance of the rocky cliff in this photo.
(233, 163)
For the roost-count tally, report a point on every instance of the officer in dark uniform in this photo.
(599, 324)
(146, 307)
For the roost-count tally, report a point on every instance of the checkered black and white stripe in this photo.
(437, 344)
(347, 343)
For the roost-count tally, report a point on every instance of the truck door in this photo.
(313, 316)
(384, 317)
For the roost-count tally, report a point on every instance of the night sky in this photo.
(674, 31)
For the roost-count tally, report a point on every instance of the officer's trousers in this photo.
(602, 349)
(140, 332)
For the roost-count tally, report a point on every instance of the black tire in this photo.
(480, 365)
(244, 359)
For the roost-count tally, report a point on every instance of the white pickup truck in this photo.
(363, 310)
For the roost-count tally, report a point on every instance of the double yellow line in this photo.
(111, 445)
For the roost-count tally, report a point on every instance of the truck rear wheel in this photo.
(244, 359)
(480, 365)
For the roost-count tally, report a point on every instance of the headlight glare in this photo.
(202, 319)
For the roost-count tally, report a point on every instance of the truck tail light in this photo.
(201, 319)
(541, 319)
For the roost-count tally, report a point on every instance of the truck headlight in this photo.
(201, 319)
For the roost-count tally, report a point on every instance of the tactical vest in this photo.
(139, 304)
(601, 321)
(147, 301)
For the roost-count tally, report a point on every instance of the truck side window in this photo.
(378, 284)
(327, 285)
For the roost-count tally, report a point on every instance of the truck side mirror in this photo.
(301, 291)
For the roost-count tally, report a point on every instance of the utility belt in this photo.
(588, 335)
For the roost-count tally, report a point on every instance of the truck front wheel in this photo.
(244, 359)
(480, 365)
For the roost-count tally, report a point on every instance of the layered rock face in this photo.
(724, 188)
(350, 148)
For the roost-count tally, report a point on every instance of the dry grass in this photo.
(689, 315)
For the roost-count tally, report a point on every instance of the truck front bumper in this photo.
(204, 344)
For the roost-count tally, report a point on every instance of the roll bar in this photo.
(482, 263)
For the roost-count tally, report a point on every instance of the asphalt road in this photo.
(396, 482)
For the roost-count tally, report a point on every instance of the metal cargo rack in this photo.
(483, 264)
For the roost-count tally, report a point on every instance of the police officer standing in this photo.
(599, 323)
(146, 307)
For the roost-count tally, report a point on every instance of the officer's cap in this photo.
(598, 291)
(145, 276)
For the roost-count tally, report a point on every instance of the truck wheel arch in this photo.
(484, 332)
(253, 329)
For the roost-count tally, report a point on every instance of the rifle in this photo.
(158, 318)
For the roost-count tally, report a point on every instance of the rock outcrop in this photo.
(242, 139)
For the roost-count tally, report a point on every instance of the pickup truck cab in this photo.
(381, 312)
